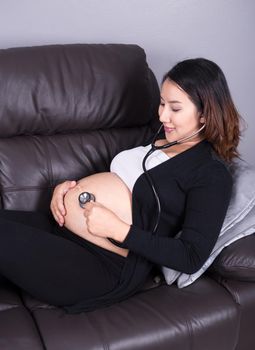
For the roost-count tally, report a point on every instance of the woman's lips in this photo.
(168, 130)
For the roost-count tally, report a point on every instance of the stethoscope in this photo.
(85, 197)
(156, 148)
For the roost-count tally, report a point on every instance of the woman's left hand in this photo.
(102, 222)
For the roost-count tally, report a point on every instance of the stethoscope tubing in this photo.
(149, 179)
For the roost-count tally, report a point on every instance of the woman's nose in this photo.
(164, 114)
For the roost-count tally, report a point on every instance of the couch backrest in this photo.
(65, 111)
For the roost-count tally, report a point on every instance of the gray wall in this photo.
(168, 30)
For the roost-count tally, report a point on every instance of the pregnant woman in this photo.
(82, 258)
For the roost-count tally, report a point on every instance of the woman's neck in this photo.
(178, 148)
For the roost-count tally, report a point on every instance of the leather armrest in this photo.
(237, 261)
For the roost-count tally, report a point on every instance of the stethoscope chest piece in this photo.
(86, 197)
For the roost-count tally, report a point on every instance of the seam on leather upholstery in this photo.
(191, 334)
(48, 160)
(235, 297)
(93, 324)
(34, 320)
(25, 188)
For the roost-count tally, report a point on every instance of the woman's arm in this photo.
(206, 206)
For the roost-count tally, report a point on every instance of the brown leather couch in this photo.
(65, 111)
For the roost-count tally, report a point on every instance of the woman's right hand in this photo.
(57, 202)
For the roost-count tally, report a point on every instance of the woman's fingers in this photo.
(57, 203)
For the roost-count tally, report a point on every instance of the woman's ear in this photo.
(202, 119)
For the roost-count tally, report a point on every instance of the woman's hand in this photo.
(102, 222)
(57, 202)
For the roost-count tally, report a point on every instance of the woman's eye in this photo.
(175, 110)
(161, 104)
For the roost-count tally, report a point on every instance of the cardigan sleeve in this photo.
(206, 205)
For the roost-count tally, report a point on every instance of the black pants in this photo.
(51, 263)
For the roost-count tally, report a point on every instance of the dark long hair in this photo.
(207, 87)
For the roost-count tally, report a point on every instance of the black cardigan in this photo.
(194, 188)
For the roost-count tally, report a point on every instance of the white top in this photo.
(128, 164)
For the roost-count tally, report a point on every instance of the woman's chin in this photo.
(170, 137)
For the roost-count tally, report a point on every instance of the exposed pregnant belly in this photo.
(110, 191)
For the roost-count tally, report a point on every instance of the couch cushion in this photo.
(161, 318)
(66, 111)
(17, 328)
(63, 88)
(243, 293)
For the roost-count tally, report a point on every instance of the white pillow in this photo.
(239, 221)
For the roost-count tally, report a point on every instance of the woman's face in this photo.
(178, 113)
